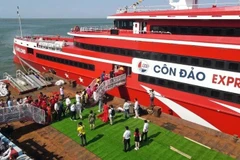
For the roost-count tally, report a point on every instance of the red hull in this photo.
(207, 112)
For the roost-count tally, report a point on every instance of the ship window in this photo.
(191, 89)
(115, 50)
(146, 55)
(75, 63)
(228, 97)
(202, 91)
(173, 58)
(170, 84)
(215, 93)
(122, 52)
(91, 67)
(164, 57)
(131, 24)
(195, 61)
(238, 99)
(129, 52)
(180, 86)
(152, 80)
(183, 60)
(30, 50)
(103, 49)
(219, 64)
(160, 82)
(233, 66)
(206, 63)
(80, 65)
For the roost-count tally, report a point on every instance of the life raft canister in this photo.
(76, 29)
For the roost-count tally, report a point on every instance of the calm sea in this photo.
(9, 28)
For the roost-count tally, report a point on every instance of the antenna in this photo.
(19, 20)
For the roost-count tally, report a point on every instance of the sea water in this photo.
(9, 28)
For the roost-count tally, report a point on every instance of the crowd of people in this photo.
(55, 109)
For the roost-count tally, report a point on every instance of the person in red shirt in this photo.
(105, 112)
(52, 102)
(49, 115)
(40, 96)
(29, 99)
(44, 105)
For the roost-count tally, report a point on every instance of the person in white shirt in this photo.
(110, 114)
(136, 108)
(61, 90)
(145, 130)
(78, 99)
(126, 109)
(56, 108)
(152, 95)
(73, 111)
(79, 109)
(126, 139)
(68, 104)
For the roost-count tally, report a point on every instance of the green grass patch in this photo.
(106, 140)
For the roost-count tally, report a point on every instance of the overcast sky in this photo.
(72, 8)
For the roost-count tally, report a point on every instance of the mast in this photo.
(20, 23)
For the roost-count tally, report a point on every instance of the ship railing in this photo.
(22, 112)
(121, 31)
(108, 85)
(142, 8)
(96, 28)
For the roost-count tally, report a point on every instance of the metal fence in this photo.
(22, 113)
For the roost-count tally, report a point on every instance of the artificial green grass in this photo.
(106, 140)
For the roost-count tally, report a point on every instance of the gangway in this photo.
(14, 82)
(39, 79)
(108, 85)
(21, 75)
(22, 112)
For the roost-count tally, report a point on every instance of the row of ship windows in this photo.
(66, 62)
(194, 61)
(204, 31)
(227, 96)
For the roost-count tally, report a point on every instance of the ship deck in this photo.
(48, 143)
(123, 34)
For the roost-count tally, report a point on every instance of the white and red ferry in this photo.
(190, 56)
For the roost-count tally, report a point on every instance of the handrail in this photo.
(19, 73)
(110, 84)
(169, 7)
(12, 82)
(96, 28)
(20, 112)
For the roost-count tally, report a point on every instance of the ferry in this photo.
(188, 53)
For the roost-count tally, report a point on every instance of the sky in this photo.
(73, 8)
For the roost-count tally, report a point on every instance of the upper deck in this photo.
(151, 36)
(180, 11)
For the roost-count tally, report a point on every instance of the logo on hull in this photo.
(143, 66)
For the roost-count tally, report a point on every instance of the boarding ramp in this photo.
(19, 84)
(108, 85)
(22, 113)
(38, 78)
(21, 75)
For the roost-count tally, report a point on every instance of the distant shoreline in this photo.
(53, 18)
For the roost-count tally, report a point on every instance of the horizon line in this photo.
(57, 18)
